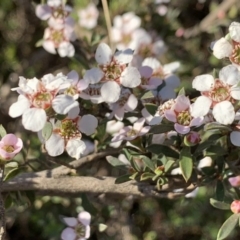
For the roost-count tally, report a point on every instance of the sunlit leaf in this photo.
(220, 205)
(228, 226)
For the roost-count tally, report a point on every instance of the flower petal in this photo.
(234, 31)
(34, 119)
(203, 82)
(222, 48)
(201, 106)
(229, 75)
(62, 104)
(55, 145)
(88, 124)
(18, 108)
(85, 218)
(68, 234)
(235, 138)
(66, 49)
(181, 129)
(110, 92)
(103, 54)
(43, 11)
(70, 221)
(124, 57)
(224, 112)
(93, 75)
(75, 148)
(130, 77)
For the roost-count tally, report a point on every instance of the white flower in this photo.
(126, 103)
(78, 228)
(67, 136)
(38, 96)
(218, 94)
(88, 16)
(113, 72)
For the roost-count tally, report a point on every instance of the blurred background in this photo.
(187, 27)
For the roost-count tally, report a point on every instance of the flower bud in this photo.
(235, 206)
(234, 181)
(192, 139)
(10, 146)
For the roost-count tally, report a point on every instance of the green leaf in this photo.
(11, 174)
(47, 131)
(220, 205)
(102, 227)
(217, 126)
(60, 116)
(146, 175)
(168, 165)
(123, 178)
(115, 162)
(151, 108)
(39, 43)
(12, 164)
(228, 226)
(8, 201)
(127, 154)
(2, 131)
(147, 95)
(163, 128)
(148, 162)
(186, 163)
(133, 176)
(219, 190)
(182, 92)
(87, 205)
(162, 149)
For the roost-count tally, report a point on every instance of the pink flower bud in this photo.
(234, 181)
(10, 146)
(192, 138)
(235, 206)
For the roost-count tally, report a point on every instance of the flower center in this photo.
(131, 133)
(159, 72)
(69, 129)
(8, 148)
(165, 106)
(126, 38)
(219, 93)
(235, 56)
(80, 230)
(57, 36)
(71, 91)
(42, 100)
(112, 71)
(184, 118)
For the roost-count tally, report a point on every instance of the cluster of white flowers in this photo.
(127, 33)
(39, 102)
(60, 31)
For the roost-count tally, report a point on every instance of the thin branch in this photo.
(108, 21)
(63, 170)
(73, 186)
(2, 207)
(210, 19)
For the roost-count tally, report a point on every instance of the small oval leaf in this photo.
(228, 226)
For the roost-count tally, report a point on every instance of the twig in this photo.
(63, 170)
(2, 207)
(108, 21)
(208, 21)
